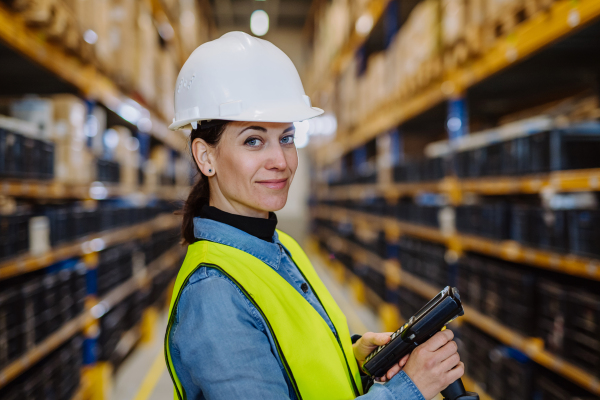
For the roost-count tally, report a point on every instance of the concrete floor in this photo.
(143, 376)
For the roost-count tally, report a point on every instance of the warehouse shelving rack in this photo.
(85, 77)
(524, 42)
(506, 250)
(532, 347)
(390, 317)
(82, 247)
(74, 74)
(527, 38)
(95, 308)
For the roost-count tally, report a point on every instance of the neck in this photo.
(234, 207)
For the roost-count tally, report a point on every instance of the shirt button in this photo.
(304, 287)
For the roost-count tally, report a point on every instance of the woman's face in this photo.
(254, 164)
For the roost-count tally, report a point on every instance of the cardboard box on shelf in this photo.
(166, 80)
(123, 41)
(145, 53)
(73, 163)
(96, 125)
(454, 21)
(36, 12)
(128, 156)
(69, 114)
(93, 19)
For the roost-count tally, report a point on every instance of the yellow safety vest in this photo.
(319, 365)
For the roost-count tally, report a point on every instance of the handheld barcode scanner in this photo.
(429, 320)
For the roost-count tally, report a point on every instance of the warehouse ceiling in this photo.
(235, 14)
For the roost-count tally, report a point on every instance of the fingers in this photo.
(447, 350)
(456, 372)
(394, 369)
(376, 339)
(403, 360)
(439, 339)
(450, 362)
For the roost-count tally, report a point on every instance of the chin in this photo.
(273, 203)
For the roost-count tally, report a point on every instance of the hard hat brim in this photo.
(282, 115)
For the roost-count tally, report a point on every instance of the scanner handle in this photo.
(456, 391)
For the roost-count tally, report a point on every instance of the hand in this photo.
(435, 364)
(369, 342)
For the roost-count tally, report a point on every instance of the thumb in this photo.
(382, 338)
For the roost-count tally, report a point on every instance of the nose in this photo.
(276, 158)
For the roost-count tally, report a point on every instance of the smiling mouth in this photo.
(274, 183)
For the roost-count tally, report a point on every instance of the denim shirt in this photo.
(223, 349)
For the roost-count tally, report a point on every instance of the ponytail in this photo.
(200, 194)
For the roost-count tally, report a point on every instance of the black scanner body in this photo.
(429, 320)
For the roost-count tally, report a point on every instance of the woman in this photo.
(249, 317)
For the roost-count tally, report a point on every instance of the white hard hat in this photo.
(239, 77)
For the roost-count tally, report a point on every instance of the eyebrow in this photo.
(260, 128)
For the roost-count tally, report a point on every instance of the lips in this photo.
(274, 183)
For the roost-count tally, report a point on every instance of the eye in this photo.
(288, 139)
(252, 141)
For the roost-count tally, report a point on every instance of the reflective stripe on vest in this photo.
(319, 364)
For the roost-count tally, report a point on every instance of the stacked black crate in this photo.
(56, 376)
(78, 287)
(518, 298)
(584, 231)
(489, 219)
(12, 344)
(14, 232)
(499, 289)
(504, 373)
(425, 260)
(108, 171)
(429, 169)
(23, 157)
(550, 386)
(552, 315)
(112, 327)
(582, 334)
(115, 266)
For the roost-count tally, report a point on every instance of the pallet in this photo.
(35, 12)
(429, 71)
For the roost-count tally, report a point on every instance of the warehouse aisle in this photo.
(143, 375)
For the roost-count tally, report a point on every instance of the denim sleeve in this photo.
(223, 352)
(400, 387)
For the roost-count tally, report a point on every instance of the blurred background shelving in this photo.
(459, 146)
(466, 154)
(90, 178)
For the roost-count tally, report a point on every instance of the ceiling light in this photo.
(259, 22)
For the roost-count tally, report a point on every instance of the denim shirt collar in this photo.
(219, 232)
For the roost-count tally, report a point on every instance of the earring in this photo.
(210, 170)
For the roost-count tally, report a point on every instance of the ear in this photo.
(203, 155)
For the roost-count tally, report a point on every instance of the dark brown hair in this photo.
(211, 133)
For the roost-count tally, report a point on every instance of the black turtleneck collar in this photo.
(262, 228)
